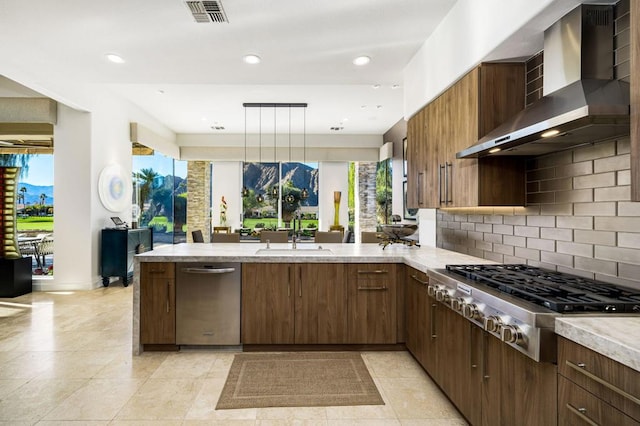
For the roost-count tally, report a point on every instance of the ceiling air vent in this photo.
(207, 11)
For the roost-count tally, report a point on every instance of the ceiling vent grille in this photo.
(207, 11)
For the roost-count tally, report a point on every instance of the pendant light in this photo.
(274, 190)
(245, 190)
(305, 193)
(289, 198)
(260, 197)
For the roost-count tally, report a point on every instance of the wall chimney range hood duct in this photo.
(582, 104)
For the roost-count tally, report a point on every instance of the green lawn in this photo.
(35, 223)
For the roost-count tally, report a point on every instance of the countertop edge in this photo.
(590, 333)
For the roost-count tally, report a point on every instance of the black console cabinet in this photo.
(117, 248)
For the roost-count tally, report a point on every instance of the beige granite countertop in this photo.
(615, 337)
(421, 258)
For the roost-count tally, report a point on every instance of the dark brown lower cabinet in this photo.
(157, 303)
(294, 303)
(490, 382)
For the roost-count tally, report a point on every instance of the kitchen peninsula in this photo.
(422, 258)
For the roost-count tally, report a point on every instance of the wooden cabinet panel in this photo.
(268, 303)
(578, 407)
(614, 383)
(529, 390)
(635, 99)
(491, 378)
(372, 303)
(476, 104)
(321, 303)
(157, 303)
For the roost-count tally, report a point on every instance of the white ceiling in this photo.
(306, 46)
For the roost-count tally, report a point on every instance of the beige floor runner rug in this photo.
(299, 379)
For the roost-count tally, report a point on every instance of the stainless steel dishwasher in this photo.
(208, 304)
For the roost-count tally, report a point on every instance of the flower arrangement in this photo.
(223, 211)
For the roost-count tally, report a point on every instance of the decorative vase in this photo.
(336, 204)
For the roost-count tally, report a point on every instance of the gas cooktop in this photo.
(560, 292)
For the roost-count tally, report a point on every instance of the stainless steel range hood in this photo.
(582, 104)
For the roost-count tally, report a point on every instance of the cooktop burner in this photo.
(557, 291)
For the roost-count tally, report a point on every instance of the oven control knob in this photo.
(431, 290)
(492, 323)
(511, 334)
(442, 295)
(457, 304)
(471, 311)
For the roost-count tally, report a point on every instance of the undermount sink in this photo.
(289, 251)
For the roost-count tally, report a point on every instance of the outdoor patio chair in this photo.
(44, 249)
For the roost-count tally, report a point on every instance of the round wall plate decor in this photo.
(114, 188)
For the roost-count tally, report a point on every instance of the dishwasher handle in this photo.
(208, 270)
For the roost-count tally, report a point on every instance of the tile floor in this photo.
(65, 358)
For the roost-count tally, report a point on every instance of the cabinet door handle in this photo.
(447, 182)
(156, 271)
(289, 283)
(415, 277)
(419, 189)
(376, 271)
(168, 295)
(383, 288)
(485, 337)
(440, 168)
(433, 321)
(299, 282)
(581, 412)
(580, 368)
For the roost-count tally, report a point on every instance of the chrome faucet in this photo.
(293, 241)
(267, 241)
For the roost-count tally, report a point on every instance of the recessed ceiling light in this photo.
(550, 133)
(379, 106)
(160, 92)
(363, 106)
(395, 86)
(361, 60)
(252, 59)
(376, 86)
(116, 59)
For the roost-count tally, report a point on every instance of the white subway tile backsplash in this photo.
(600, 150)
(503, 229)
(514, 241)
(591, 264)
(526, 253)
(602, 238)
(600, 180)
(546, 221)
(576, 249)
(559, 234)
(539, 244)
(617, 254)
(617, 193)
(621, 224)
(558, 259)
(515, 220)
(579, 218)
(611, 164)
(575, 169)
(575, 222)
(629, 239)
(595, 209)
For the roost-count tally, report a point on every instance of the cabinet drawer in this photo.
(375, 276)
(607, 379)
(158, 269)
(576, 406)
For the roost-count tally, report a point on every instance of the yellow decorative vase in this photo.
(336, 204)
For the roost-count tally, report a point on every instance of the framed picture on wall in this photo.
(404, 157)
(409, 214)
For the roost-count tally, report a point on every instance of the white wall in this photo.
(227, 181)
(470, 32)
(334, 176)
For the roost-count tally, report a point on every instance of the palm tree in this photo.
(145, 179)
(43, 197)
